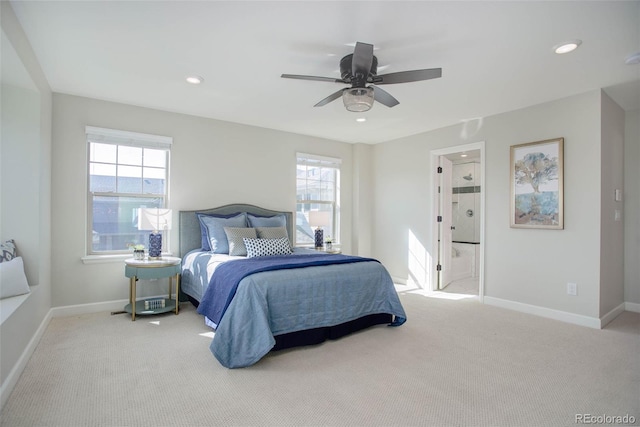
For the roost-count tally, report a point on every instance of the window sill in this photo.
(101, 259)
(104, 259)
(335, 246)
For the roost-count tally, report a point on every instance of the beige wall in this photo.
(611, 230)
(20, 158)
(213, 163)
(362, 199)
(386, 201)
(521, 265)
(631, 203)
(26, 218)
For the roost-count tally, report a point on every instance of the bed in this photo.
(264, 295)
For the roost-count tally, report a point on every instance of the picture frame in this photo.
(537, 184)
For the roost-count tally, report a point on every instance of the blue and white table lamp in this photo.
(158, 220)
(318, 219)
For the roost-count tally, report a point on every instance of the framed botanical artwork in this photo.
(537, 184)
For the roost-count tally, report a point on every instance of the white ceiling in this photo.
(495, 57)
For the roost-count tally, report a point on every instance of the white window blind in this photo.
(315, 160)
(132, 139)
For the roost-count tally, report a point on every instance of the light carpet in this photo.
(454, 363)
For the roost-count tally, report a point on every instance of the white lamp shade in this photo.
(319, 218)
(154, 219)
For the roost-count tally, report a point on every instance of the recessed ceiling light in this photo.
(194, 80)
(567, 46)
(463, 155)
(361, 119)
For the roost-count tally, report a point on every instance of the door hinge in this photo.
(439, 169)
(439, 218)
(438, 267)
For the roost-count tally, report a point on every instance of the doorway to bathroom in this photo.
(459, 226)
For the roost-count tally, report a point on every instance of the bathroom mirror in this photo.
(20, 151)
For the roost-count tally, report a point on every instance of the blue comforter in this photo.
(225, 280)
(259, 300)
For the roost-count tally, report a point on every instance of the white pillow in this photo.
(13, 281)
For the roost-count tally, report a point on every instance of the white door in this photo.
(445, 214)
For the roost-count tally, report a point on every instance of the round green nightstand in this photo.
(152, 269)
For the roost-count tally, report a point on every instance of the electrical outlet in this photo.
(572, 288)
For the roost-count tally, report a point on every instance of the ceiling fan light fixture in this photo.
(359, 69)
(358, 99)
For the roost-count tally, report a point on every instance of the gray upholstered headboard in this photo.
(190, 237)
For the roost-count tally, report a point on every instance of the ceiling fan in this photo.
(359, 70)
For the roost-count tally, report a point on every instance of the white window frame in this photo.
(334, 205)
(122, 138)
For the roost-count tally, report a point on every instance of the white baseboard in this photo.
(576, 319)
(74, 310)
(399, 281)
(632, 306)
(12, 379)
(611, 315)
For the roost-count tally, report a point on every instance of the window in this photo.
(317, 189)
(126, 171)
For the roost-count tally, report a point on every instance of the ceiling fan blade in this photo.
(316, 78)
(330, 98)
(362, 60)
(384, 97)
(408, 76)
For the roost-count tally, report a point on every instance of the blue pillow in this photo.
(267, 247)
(212, 228)
(279, 220)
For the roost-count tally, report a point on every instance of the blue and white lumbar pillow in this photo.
(267, 247)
